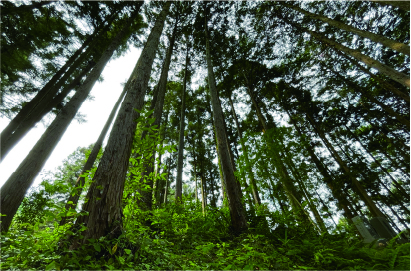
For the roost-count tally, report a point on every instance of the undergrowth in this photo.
(180, 237)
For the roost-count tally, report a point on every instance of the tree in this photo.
(32, 164)
(106, 192)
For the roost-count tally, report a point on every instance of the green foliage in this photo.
(182, 238)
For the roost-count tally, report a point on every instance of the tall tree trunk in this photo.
(44, 96)
(327, 177)
(158, 105)
(394, 45)
(78, 187)
(180, 159)
(238, 221)
(13, 191)
(286, 181)
(254, 188)
(105, 194)
(356, 184)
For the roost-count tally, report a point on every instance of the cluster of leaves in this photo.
(180, 237)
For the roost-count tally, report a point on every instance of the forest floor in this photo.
(184, 239)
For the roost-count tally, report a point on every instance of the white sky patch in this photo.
(105, 95)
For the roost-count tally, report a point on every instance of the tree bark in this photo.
(180, 159)
(394, 45)
(13, 191)
(105, 194)
(238, 221)
(78, 188)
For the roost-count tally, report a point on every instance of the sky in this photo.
(96, 112)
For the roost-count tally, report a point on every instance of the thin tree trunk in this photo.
(13, 191)
(180, 159)
(254, 188)
(105, 194)
(360, 189)
(327, 177)
(394, 45)
(397, 76)
(78, 188)
(238, 221)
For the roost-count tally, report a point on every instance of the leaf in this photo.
(52, 265)
(97, 247)
(128, 251)
(113, 250)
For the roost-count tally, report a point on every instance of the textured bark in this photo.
(13, 191)
(254, 188)
(44, 96)
(394, 45)
(158, 105)
(78, 188)
(105, 194)
(180, 158)
(238, 221)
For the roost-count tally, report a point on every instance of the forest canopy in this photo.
(249, 135)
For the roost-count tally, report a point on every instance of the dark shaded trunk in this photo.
(238, 221)
(105, 194)
(157, 105)
(180, 158)
(13, 191)
(327, 177)
(78, 188)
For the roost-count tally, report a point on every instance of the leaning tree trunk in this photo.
(180, 159)
(328, 180)
(397, 76)
(9, 136)
(375, 212)
(105, 194)
(13, 191)
(238, 221)
(78, 188)
(392, 44)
